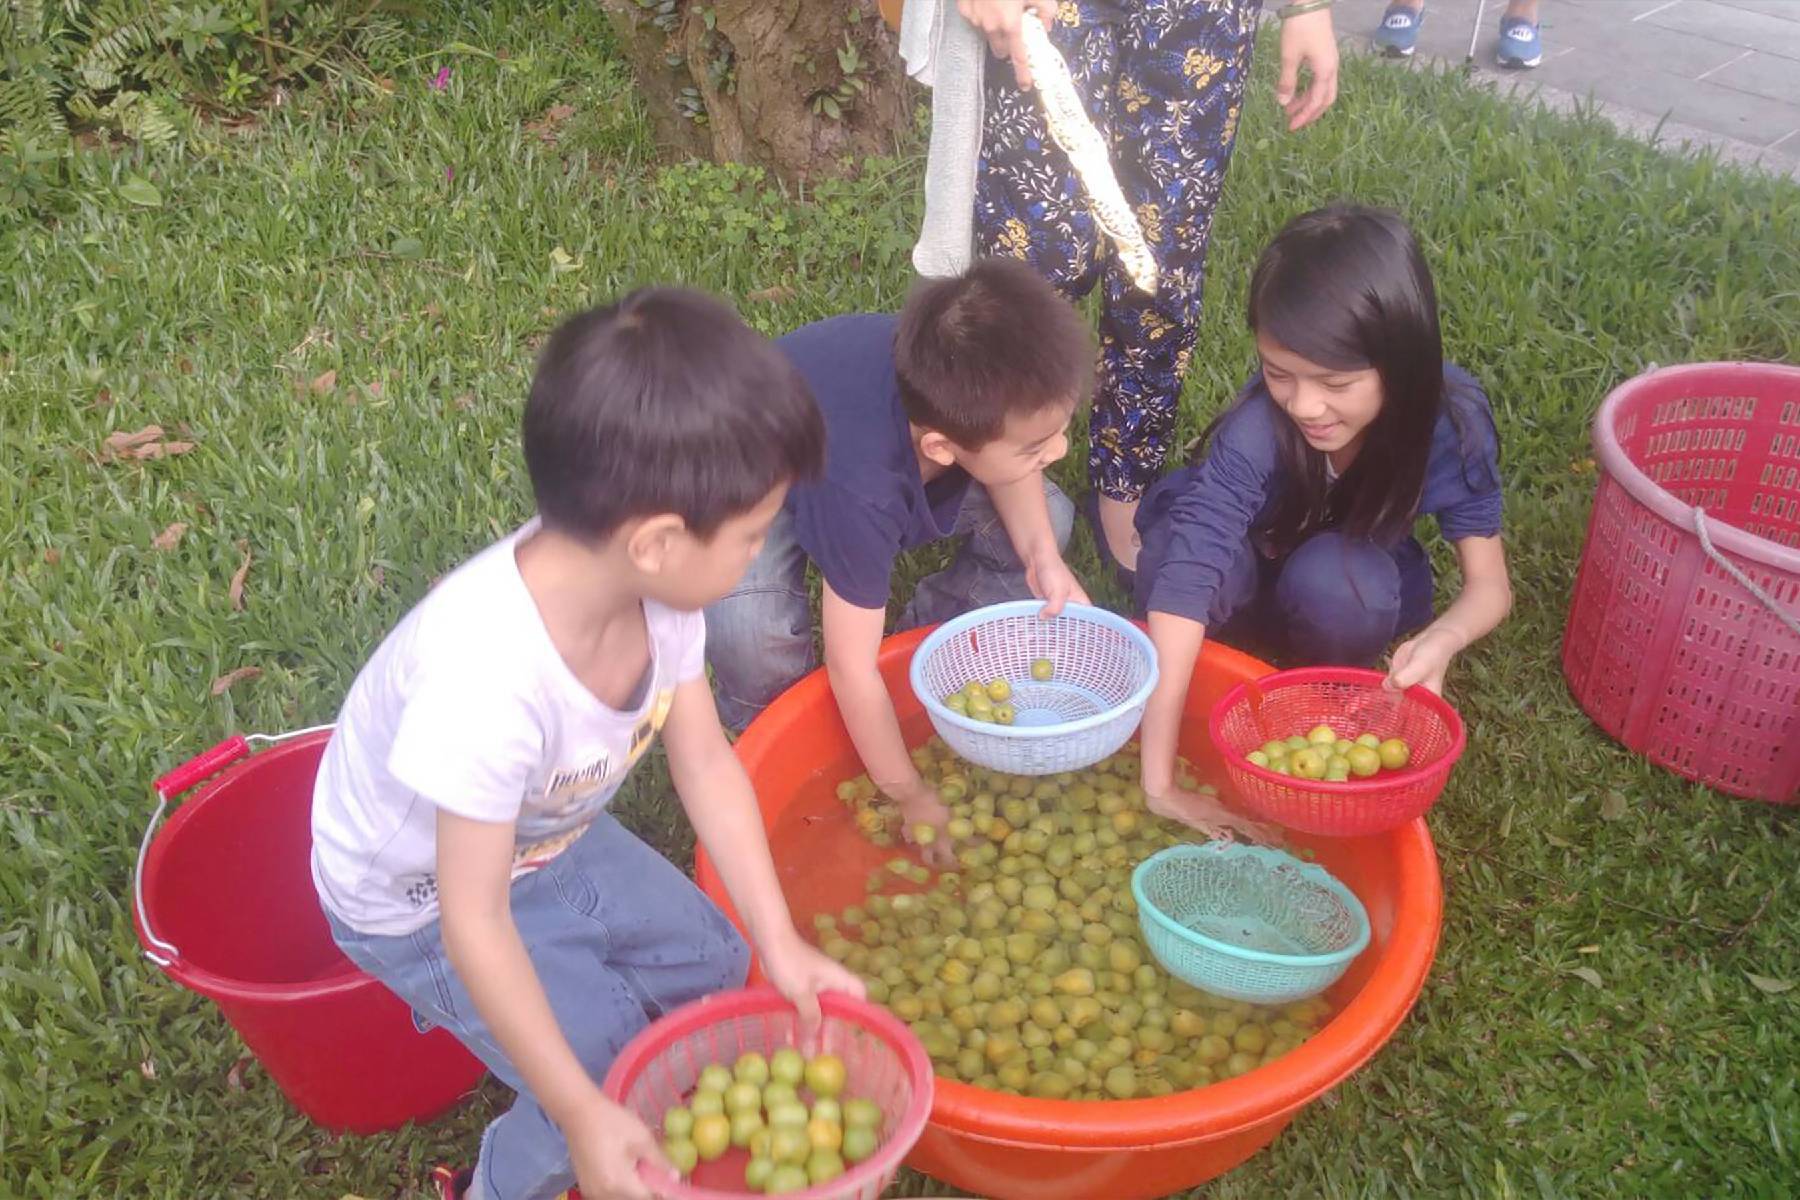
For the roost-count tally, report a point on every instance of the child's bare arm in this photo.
(1177, 641)
(852, 646)
(1025, 512)
(1483, 603)
(474, 885)
(719, 801)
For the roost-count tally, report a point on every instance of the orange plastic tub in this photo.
(1016, 1148)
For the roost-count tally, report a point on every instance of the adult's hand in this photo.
(1307, 41)
(999, 20)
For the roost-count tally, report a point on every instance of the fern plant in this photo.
(138, 69)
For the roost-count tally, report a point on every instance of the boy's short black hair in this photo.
(994, 340)
(664, 401)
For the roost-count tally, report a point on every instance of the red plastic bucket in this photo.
(226, 907)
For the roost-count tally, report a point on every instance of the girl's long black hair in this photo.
(1346, 287)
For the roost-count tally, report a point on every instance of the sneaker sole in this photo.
(1397, 52)
(1518, 64)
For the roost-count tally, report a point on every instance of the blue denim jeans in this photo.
(759, 639)
(617, 935)
(1333, 601)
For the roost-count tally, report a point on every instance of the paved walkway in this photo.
(1722, 73)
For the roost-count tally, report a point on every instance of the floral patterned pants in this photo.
(1163, 81)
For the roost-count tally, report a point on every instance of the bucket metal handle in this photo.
(173, 783)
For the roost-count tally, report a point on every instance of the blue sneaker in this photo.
(1398, 34)
(1520, 48)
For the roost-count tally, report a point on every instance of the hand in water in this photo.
(1204, 812)
(921, 805)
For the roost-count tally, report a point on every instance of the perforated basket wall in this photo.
(883, 1063)
(1248, 922)
(1105, 668)
(1665, 650)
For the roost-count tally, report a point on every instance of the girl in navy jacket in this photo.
(1293, 531)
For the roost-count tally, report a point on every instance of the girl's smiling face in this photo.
(1332, 408)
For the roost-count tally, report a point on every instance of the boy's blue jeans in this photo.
(759, 639)
(618, 936)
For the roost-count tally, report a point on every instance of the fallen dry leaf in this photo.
(236, 590)
(52, 555)
(161, 450)
(102, 399)
(170, 537)
(545, 126)
(778, 294)
(234, 1078)
(185, 365)
(466, 401)
(223, 683)
(119, 441)
(142, 445)
(147, 1068)
(323, 384)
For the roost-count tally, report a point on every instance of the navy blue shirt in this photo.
(873, 501)
(1209, 509)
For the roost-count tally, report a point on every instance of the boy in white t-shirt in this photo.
(461, 845)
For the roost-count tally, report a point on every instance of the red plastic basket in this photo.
(1666, 647)
(1291, 702)
(883, 1062)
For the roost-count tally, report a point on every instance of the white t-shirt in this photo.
(467, 706)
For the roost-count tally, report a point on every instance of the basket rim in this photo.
(1268, 854)
(915, 671)
(1665, 504)
(1374, 785)
(656, 1037)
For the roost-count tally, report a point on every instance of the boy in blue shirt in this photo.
(939, 423)
(461, 844)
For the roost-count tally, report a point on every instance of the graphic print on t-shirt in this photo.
(554, 821)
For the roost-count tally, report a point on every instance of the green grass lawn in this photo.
(338, 308)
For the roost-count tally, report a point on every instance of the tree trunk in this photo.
(803, 87)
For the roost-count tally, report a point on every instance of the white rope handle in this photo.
(1725, 565)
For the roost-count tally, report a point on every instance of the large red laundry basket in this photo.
(225, 906)
(1683, 639)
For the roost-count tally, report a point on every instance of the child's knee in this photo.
(1339, 598)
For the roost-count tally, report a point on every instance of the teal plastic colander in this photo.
(1247, 922)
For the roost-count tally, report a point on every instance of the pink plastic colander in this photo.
(883, 1062)
(1683, 639)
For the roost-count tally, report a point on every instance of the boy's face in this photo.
(1027, 444)
(696, 571)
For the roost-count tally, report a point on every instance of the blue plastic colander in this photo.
(1105, 668)
(1247, 922)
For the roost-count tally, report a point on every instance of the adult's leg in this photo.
(1028, 202)
(1177, 98)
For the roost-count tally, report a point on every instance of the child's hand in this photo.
(1203, 812)
(800, 973)
(607, 1146)
(1425, 659)
(1051, 581)
(920, 804)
